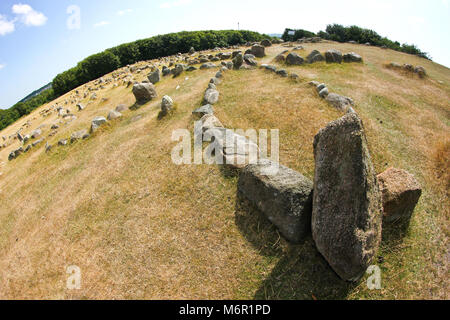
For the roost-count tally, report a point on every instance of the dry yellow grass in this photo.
(141, 227)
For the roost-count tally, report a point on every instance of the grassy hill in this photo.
(141, 227)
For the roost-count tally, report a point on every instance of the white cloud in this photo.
(101, 24)
(124, 12)
(28, 15)
(445, 3)
(6, 26)
(172, 4)
(2, 66)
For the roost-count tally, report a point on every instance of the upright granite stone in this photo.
(400, 193)
(284, 196)
(258, 51)
(347, 212)
(154, 77)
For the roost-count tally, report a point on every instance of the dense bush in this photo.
(337, 32)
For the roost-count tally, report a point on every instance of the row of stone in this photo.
(331, 56)
(344, 104)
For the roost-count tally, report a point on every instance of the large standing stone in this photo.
(144, 92)
(333, 56)
(347, 212)
(400, 193)
(258, 51)
(294, 59)
(179, 68)
(285, 197)
(211, 96)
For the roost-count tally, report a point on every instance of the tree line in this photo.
(339, 33)
(111, 59)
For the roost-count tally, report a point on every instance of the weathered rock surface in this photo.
(347, 212)
(294, 59)
(285, 197)
(238, 60)
(113, 114)
(166, 104)
(97, 122)
(340, 102)
(258, 51)
(333, 56)
(266, 43)
(204, 110)
(154, 77)
(144, 92)
(315, 56)
(82, 134)
(211, 96)
(352, 57)
(400, 193)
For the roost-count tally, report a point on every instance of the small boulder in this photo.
(97, 122)
(352, 57)
(315, 56)
(144, 92)
(420, 71)
(78, 135)
(204, 110)
(36, 133)
(324, 93)
(284, 196)
(211, 96)
(154, 77)
(294, 59)
(166, 104)
(333, 56)
(400, 193)
(238, 61)
(258, 51)
(113, 114)
(266, 43)
(340, 102)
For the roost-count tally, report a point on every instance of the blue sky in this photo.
(36, 42)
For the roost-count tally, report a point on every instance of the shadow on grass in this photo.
(301, 273)
(394, 233)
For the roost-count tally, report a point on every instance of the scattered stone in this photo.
(208, 65)
(211, 96)
(315, 56)
(333, 56)
(284, 196)
(165, 71)
(34, 144)
(166, 104)
(209, 121)
(282, 72)
(352, 57)
(400, 194)
(294, 59)
(78, 135)
(62, 142)
(347, 213)
(204, 110)
(192, 50)
(113, 114)
(80, 107)
(420, 71)
(154, 77)
(121, 108)
(238, 61)
(266, 43)
(97, 122)
(258, 51)
(280, 58)
(36, 133)
(340, 102)
(324, 93)
(250, 60)
(144, 92)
